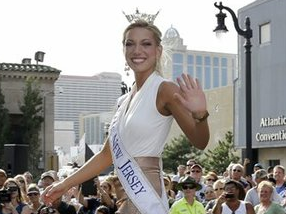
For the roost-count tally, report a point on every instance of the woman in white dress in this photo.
(139, 129)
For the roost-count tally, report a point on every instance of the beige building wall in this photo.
(267, 154)
(220, 107)
(12, 82)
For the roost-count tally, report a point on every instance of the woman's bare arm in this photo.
(91, 168)
(186, 103)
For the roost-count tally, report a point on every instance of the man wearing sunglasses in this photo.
(188, 204)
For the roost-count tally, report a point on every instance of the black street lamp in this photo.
(247, 34)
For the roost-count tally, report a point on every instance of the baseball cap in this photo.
(258, 165)
(197, 165)
(33, 189)
(260, 174)
(47, 174)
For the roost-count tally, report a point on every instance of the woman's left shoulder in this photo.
(168, 87)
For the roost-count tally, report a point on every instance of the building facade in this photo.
(268, 75)
(214, 70)
(95, 127)
(81, 95)
(13, 78)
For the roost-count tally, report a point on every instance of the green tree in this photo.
(179, 151)
(221, 156)
(31, 121)
(4, 127)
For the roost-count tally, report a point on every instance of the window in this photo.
(177, 71)
(190, 59)
(264, 33)
(216, 77)
(207, 78)
(207, 61)
(199, 74)
(178, 58)
(177, 65)
(274, 162)
(191, 70)
(199, 60)
(215, 61)
(223, 62)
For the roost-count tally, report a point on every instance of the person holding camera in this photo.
(231, 201)
(12, 200)
(58, 207)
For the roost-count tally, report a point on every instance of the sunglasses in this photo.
(236, 170)
(21, 181)
(197, 171)
(188, 186)
(12, 189)
(211, 179)
(218, 189)
(33, 194)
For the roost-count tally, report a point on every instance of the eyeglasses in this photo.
(236, 170)
(33, 194)
(188, 186)
(211, 179)
(21, 181)
(197, 171)
(218, 189)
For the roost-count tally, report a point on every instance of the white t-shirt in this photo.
(241, 209)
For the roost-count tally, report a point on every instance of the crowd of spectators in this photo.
(264, 192)
(191, 190)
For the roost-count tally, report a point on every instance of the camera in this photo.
(48, 210)
(229, 195)
(5, 196)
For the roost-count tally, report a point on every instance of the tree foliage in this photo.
(31, 122)
(4, 127)
(179, 151)
(221, 156)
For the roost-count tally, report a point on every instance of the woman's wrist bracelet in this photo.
(202, 118)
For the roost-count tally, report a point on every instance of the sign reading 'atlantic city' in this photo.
(267, 122)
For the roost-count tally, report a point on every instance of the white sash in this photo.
(135, 183)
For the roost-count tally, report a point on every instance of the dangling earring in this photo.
(126, 69)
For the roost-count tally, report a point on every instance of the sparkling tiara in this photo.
(137, 16)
